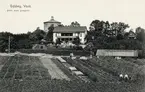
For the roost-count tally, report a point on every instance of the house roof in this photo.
(52, 20)
(70, 29)
(131, 34)
(123, 53)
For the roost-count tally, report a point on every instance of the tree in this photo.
(98, 26)
(3, 45)
(106, 29)
(76, 41)
(58, 41)
(37, 35)
(61, 25)
(126, 34)
(91, 35)
(140, 34)
(118, 28)
(75, 24)
(120, 37)
(49, 34)
(51, 28)
(4, 40)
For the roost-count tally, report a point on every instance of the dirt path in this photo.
(54, 71)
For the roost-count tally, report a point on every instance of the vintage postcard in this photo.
(72, 46)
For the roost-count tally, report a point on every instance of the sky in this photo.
(131, 12)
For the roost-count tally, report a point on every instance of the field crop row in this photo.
(3, 59)
(106, 69)
(35, 77)
(93, 72)
(65, 86)
(65, 69)
(116, 67)
(20, 67)
(135, 61)
(102, 74)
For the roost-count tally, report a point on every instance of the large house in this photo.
(131, 35)
(66, 33)
(70, 33)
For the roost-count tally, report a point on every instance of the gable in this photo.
(131, 34)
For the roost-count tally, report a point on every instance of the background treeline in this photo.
(105, 35)
(20, 41)
(101, 35)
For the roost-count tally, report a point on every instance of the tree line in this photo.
(101, 35)
(105, 35)
(20, 41)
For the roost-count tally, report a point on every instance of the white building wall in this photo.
(77, 34)
(58, 34)
(74, 34)
(82, 37)
(54, 37)
(85, 34)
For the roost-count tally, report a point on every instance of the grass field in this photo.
(23, 73)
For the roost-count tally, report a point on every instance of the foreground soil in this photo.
(38, 73)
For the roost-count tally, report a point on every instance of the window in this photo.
(66, 34)
(41, 47)
(62, 39)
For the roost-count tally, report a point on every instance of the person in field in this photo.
(121, 77)
(126, 78)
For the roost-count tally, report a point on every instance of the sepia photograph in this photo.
(72, 46)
